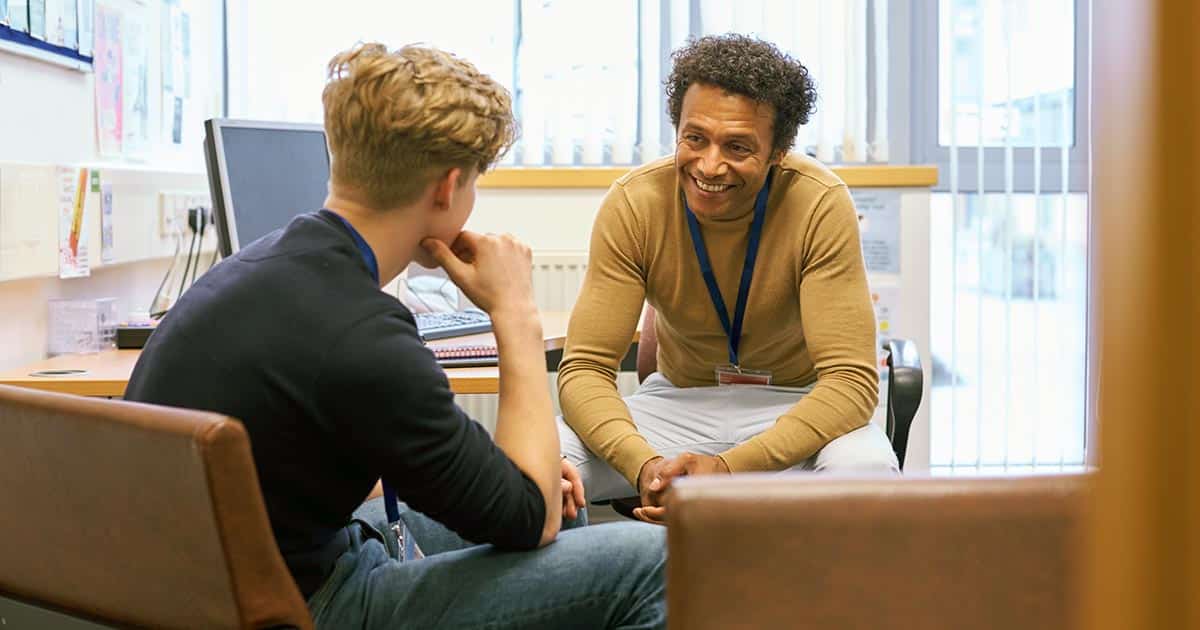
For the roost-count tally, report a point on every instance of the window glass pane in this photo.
(1008, 288)
(577, 81)
(1002, 51)
(279, 69)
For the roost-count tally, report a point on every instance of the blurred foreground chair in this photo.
(122, 514)
(792, 550)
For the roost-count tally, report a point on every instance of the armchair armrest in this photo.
(778, 551)
(905, 388)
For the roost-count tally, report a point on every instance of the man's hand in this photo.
(650, 485)
(572, 490)
(656, 477)
(492, 270)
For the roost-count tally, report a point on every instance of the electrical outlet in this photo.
(173, 210)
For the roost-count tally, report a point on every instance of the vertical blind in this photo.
(587, 77)
(1009, 269)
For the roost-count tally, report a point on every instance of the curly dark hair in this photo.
(750, 67)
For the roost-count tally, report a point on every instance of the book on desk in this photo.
(465, 355)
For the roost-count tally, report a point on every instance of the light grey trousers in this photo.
(710, 420)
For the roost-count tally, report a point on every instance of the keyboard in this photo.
(452, 324)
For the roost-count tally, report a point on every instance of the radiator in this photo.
(557, 277)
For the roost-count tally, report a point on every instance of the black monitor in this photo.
(262, 174)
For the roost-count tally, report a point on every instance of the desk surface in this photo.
(107, 373)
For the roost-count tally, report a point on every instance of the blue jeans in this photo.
(604, 576)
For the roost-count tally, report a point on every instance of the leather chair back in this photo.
(136, 515)
(794, 551)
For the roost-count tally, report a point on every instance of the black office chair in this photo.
(905, 388)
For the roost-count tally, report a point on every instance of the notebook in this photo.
(465, 355)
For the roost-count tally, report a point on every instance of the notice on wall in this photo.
(86, 10)
(886, 300)
(176, 66)
(879, 226)
(135, 55)
(109, 90)
(106, 223)
(18, 15)
(72, 187)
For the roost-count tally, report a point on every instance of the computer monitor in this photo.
(262, 175)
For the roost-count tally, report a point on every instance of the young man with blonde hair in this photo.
(293, 336)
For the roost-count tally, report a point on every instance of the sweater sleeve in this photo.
(386, 394)
(598, 336)
(839, 328)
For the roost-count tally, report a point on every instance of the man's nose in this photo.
(712, 165)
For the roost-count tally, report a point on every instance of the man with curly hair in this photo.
(293, 337)
(750, 258)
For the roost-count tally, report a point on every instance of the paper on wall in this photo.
(108, 69)
(879, 224)
(18, 15)
(136, 76)
(106, 223)
(86, 10)
(37, 19)
(72, 239)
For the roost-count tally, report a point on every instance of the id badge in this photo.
(734, 375)
(405, 541)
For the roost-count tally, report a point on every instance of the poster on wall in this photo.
(18, 15)
(37, 19)
(70, 24)
(72, 238)
(55, 21)
(886, 301)
(136, 76)
(106, 224)
(879, 227)
(176, 69)
(106, 63)
(85, 9)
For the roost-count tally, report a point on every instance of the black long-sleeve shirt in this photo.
(293, 337)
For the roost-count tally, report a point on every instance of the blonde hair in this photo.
(396, 120)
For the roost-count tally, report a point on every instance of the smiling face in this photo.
(723, 149)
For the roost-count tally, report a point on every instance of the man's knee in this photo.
(627, 547)
(864, 450)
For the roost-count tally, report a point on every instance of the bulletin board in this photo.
(55, 31)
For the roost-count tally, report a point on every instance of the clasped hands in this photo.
(657, 474)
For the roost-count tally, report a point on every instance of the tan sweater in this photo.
(808, 317)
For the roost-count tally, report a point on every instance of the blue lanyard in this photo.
(389, 493)
(732, 331)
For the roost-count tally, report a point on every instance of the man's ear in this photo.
(776, 157)
(444, 188)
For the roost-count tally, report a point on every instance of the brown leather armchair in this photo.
(790, 551)
(125, 514)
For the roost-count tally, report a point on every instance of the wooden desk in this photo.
(107, 373)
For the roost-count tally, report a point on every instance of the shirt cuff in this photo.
(634, 454)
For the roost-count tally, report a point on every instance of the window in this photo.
(997, 107)
(586, 76)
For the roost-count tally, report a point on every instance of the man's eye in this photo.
(740, 149)
(691, 137)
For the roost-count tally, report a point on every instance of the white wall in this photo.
(47, 118)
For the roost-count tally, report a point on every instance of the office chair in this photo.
(904, 391)
(130, 515)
